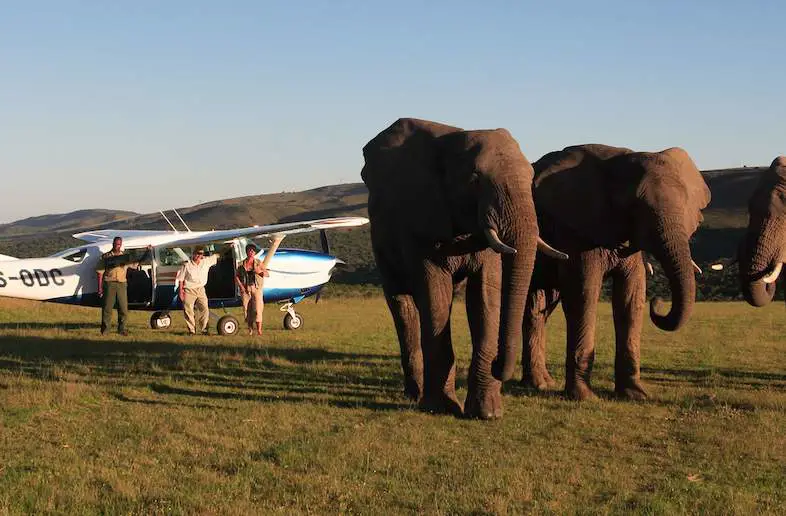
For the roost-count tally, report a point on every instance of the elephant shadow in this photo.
(730, 378)
(222, 372)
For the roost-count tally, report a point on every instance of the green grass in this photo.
(313, 421)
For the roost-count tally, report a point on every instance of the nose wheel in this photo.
(292, 319)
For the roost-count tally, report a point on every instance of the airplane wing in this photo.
(125, 234)
(290, 228)
(206, 237)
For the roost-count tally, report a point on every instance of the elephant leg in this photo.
(628, 301)
(439, 363)
(407, 322)
(397, 286)
(484, 392)
(540, 305)
(580, 288)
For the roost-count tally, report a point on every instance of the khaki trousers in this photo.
(253, 306)
(114, 292)
(196, 297)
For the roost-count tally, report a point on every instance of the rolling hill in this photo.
(63, 222)
(724, 223)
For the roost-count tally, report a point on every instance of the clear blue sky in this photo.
(147, 104)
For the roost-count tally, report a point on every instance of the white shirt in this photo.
(193, 275)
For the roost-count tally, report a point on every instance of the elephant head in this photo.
(630, 201)
(763, 249)
(443, 184)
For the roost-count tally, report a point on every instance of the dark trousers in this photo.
(114, 292)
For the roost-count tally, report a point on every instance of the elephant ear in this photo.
(573, 189)
(663, 179)
(403, 173)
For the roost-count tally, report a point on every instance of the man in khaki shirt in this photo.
(113, 286)
(192, 278)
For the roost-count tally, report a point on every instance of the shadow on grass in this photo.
(211, 371)
(715, 377)
(29, 325)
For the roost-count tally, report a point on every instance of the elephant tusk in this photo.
(546, 249)
(649, 268)
(695, 266)
(771, 277)
(496, 244)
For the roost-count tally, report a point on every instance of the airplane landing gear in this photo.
(292, 319)
(160, 320)
(227, 325)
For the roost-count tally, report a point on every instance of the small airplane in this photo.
(69, 276)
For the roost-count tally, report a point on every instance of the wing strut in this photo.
(167, 221)
(182, 221)
(273, 248)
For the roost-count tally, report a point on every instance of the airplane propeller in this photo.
(325, 249)
(324, 240)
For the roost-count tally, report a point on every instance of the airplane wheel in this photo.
(160, 320)
(227, 325)
(293, 323)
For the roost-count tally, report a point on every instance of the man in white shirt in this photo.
(192, 278)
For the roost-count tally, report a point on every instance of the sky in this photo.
(145, 105)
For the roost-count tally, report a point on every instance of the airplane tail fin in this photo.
(6, 258)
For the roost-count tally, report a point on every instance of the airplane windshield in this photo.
(74, 254)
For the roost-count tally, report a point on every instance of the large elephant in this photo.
(604, 205)
(447, 205)
(763, 249)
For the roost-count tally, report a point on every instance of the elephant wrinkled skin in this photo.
(763, 249)
(447, 205)
(604, 205)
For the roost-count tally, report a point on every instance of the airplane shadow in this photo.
(206, 372)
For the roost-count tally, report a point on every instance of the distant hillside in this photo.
(724, 223)
(726, 217)
(51, 232)
(63, 222)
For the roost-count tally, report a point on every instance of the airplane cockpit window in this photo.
(72, 255)
(177, 255)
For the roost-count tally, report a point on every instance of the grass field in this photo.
(313, 421)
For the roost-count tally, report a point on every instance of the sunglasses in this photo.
(200, 254)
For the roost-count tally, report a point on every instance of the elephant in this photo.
(762, 250)
(603, 206)
(447, 205)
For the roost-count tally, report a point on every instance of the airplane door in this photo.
(153, 275)
(140, 280)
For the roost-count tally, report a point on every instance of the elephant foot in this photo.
(484, 406)
(443, 403)
(413, 389)
(631, 390)
(579, 391)
(540, 381)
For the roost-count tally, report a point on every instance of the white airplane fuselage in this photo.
(69, 276)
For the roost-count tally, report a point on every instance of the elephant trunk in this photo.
(673, 253)
(761, 262)
(758, 293)
(516, 275)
